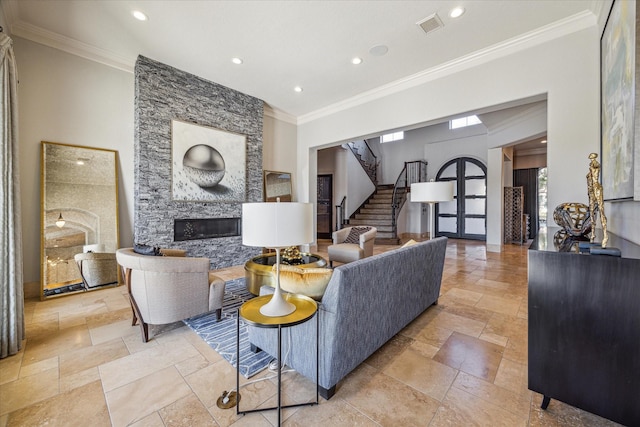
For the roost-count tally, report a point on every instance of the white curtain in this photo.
(11, 283)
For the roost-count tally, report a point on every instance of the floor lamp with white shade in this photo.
(432, 192)
(277, 226)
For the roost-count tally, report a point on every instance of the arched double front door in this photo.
(466, 216)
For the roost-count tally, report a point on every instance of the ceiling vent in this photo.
(430, 23)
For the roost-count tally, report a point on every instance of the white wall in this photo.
(565, 68)
(279, 147)
(64, 98)
(437, 145)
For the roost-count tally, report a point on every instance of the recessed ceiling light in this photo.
(237, 61)
(379, 50)
(544, 141)
(297, 89)
(356, 61)
(139, 15)
(456, 12)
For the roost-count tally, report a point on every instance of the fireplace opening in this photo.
(209, 228)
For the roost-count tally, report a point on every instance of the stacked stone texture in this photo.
(163, 94)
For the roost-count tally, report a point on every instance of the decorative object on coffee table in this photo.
(277, 225)
(291, 256)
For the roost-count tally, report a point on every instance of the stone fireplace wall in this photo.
(163, 94)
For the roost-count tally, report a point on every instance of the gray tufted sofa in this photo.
(365, 304)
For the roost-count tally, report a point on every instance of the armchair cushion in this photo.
(311, 282)
(354, 234)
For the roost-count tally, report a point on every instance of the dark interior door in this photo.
(466, 216)
(325, 201)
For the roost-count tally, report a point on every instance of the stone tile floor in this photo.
(461, 363)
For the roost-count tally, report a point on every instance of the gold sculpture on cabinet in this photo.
(596, 199)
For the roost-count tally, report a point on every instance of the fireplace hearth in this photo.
(208, 228)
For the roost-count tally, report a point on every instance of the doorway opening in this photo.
(542, 199)
(325, 203)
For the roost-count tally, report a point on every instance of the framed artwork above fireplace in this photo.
(207, 164)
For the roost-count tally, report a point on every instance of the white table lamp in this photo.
(432, 192)
(277, 226)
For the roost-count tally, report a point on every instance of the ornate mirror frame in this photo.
(79, 218)
(277, 185)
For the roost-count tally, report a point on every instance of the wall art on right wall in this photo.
(619, 107)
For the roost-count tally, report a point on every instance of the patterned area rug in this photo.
(221, 336)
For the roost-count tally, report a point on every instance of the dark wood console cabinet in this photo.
(584, 328)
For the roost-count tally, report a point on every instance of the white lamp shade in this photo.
(277, 225)
(432, 192)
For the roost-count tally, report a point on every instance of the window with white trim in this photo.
(396, 136)
(464, 122)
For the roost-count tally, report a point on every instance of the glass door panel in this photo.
(475, 225)
(476, 206)
(475, 187)
(448, 225)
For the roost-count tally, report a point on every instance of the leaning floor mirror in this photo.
(79, 219)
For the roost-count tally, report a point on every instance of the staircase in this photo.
(366, 158)
(377, 212)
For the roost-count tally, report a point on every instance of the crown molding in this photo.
(541, 35)
(601, 10)
(563, 27)
(280, 115)
(10, 10)
(69, 45)
(75, 47)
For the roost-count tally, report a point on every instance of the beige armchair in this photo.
(97, 268)
(351, 244)
(167, 289)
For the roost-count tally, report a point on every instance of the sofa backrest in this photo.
(373, 298)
